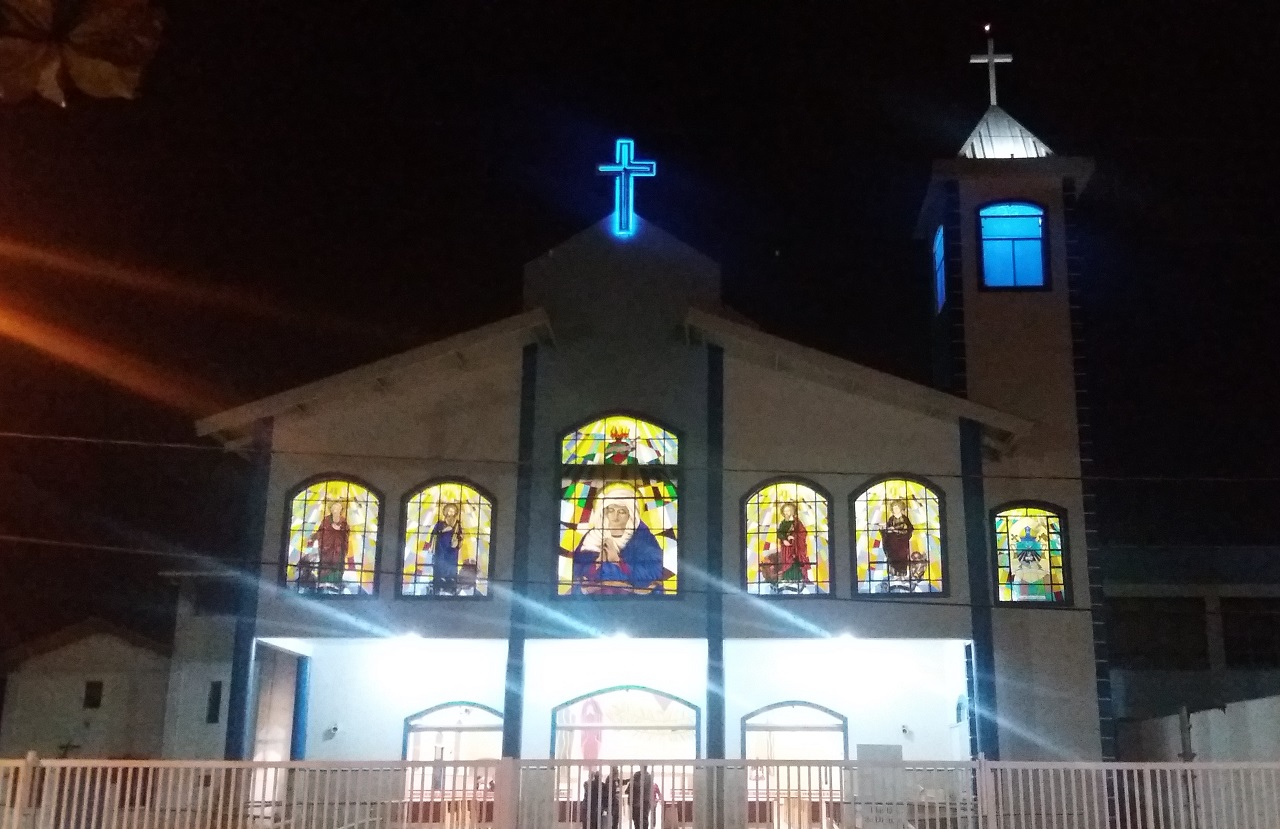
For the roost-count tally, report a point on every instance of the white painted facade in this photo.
(637, 327)
(205, 645)
(1246, 731)
(45, 696)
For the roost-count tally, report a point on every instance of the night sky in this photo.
(305, 185)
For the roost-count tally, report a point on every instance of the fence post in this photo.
(986, 794)
(26, 780)
(506, 793)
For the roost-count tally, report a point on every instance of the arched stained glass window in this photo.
(618, 509)
(447, 541)
(788, 540)
(898, 538)
(619, 440)
(624, 723)
(1012, 245)
(333, 539)
(939, 268)
(1030, 555)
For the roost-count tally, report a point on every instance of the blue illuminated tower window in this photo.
(939, 268)
(1012, 245)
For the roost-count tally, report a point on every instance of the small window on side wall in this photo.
(1012, 245)
(93, 694)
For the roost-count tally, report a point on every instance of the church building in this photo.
(585, 535)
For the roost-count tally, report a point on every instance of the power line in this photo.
(502, 462)
(233, 568)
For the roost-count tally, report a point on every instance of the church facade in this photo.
(664, 534)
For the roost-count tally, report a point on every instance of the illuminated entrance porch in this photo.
(597, 701)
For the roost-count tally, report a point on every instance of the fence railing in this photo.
(704, 794)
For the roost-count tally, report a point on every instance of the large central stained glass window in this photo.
(618, 509)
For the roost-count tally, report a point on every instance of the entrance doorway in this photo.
(790, 796)
(626, 722)
(795, 731)
(279, 732)
(454, 732)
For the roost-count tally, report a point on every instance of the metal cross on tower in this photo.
(624, 168)
(991, 59)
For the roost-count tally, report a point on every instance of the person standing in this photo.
(643, 793)
(595, 803)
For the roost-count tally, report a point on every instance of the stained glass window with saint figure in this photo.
(1030, 555)
(447, 534)
(898, 538)
(788, 541)
(333, 539)
(618, 509)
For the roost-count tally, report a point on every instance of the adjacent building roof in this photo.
(998, 135)
(74, 633)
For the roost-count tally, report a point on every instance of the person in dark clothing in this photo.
(595, 803)
(613, 791)
(641, 793)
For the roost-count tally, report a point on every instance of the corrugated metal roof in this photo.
(998, 135)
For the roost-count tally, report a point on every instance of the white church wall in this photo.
(1046, 690)
(451, 419)
(558, 670)
(44, 701)
(1018, 345)
(617, 309)
(366, 687)
(841, 442)
(1018, 356)
(893, 692)
(202, 653)
(1045, 685)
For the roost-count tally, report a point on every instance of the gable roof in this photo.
(739, 338)
(516, 331)
(764, 349)
(999, 135)
(71, 634)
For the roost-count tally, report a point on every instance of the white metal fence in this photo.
(514, 794)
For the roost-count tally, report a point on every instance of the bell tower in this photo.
(1000, 221)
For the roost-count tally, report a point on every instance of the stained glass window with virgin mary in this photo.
(618, 509)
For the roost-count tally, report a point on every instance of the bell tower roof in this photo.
(999, 135)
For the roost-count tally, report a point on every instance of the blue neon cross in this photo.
(624, 168)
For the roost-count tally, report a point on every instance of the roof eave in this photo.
(231, 426)
(1002, 430)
